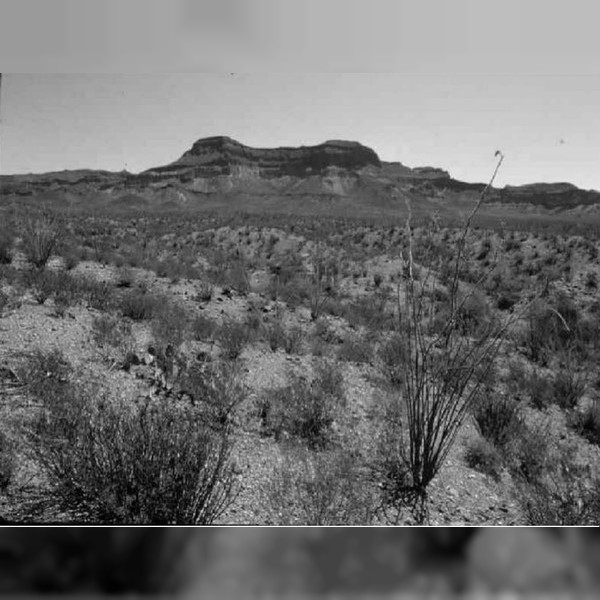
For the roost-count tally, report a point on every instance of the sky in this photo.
(425, 82)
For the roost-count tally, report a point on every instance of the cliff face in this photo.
(222, 156)
(551, 196)
(334, 171)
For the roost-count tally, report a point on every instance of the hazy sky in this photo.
(466, 77)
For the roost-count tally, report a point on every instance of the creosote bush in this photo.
(152, 463)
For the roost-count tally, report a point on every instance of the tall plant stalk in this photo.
(444, 370)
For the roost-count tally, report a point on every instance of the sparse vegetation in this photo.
(303, 409)
(399, 338)
(233, 337)
(320, 489)
(498, 419)
(6, 245)
(40, 238)
(154, 463)
(139, 305)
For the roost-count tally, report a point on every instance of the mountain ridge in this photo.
(221, 167)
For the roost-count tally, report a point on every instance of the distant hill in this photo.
(335, 176)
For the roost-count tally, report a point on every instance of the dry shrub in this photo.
(320, 489)
(154, 464)
(303, 409)
(40, 236)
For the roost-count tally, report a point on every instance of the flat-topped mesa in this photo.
(559, 195)
(222, 155)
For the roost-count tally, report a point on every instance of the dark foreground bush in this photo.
(152, 463)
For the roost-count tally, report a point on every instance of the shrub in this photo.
(7, 239)
(40, 237)
(233, 337)
(506, 300)
(529, 456)
(70, 259)
(482, 455)
(474, 314)
(320, 489)
(369, 311)
(587, 422)
(288, 339)
(529, 386)
(108, 330)
(329, 380)
(4, 299)
(98, 294)
(202, 328)
(139, 305)
(393, 355)
(170, 323)
(443, 375)
(153, 464)
(301, 409)
(498, 419)
(322, 284)
(215, 390)
(355, 349)
(8, 461)
(569, 388)
(42, 284)
(253, 323)
(552, 328)
(591, 280)
(565, 493)
(275, 335)
(125, 278)
(62, 301)
(205, 292)
(237, 278)
(46, 373)
(292, 341)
